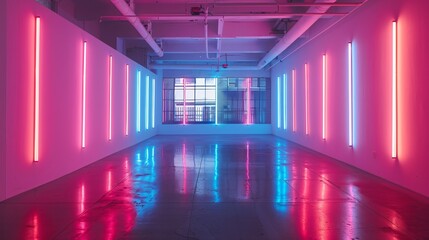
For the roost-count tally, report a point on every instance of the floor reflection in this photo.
(281, 188)
(215, 187)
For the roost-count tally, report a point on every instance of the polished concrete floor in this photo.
(216, 187)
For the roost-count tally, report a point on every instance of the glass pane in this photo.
(179, 81)
(200, 95)
(200, 81)
(189, 81)
(242, 83)
(178, 95)
(168, 83)
(211, 94)
(232, 82)
(189, 95)
(210, 81)
(254, 83)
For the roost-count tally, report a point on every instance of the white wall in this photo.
(370, 30)
(60, 148)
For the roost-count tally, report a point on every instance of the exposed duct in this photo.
(200, 67)
(206, 32)
(302, 25)
(148, 17)
(126, 10)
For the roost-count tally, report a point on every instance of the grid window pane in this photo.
(239, 100)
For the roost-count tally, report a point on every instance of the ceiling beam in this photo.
(228, 46)
(235, 17)
(201, 67)
(195, 30)
(200, 57)
(220, 23)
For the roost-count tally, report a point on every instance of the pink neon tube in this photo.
(324, 99)
(307, 124)
(37, 91)
(110, 96)
(394, 91)
(294, 100)
(83, 134)
(127, 77)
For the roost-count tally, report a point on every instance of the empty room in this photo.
(214, 119)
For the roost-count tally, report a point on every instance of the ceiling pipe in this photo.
(206, 32)
(126, 10)
(255, 4)
(200, 67)
(300, 27)
(219, 34)
(148, 17)
(278, 60)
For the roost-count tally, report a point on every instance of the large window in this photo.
(216, 100)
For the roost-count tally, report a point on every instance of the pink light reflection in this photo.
(127, 165)
(81, 199)
(109, 181)
(36, 234)
(248, 101)
(130, 213)
(247, 171)
(110, 225)
(350, 210)
(304, 207)
(323, 211)
(184, 102)
(185, 190)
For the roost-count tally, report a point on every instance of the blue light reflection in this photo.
(145, 182)
(280, 175)
(216, 175)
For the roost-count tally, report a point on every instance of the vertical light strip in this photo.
(294, 100)
(147, 104)
(284, 101)
(278, 103)
(324, 98)
(36, 90)
(184, 101)
(216, 101)
(138, 110)
(153, 103)
(394, 91)
(83, 134)
(350, 93)
(247, 184)
(248, 100)
(216, 174)
(307, 113)
(109, 181)
(127, 78)
(82, 199)
(185, 172)
(110, 95)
